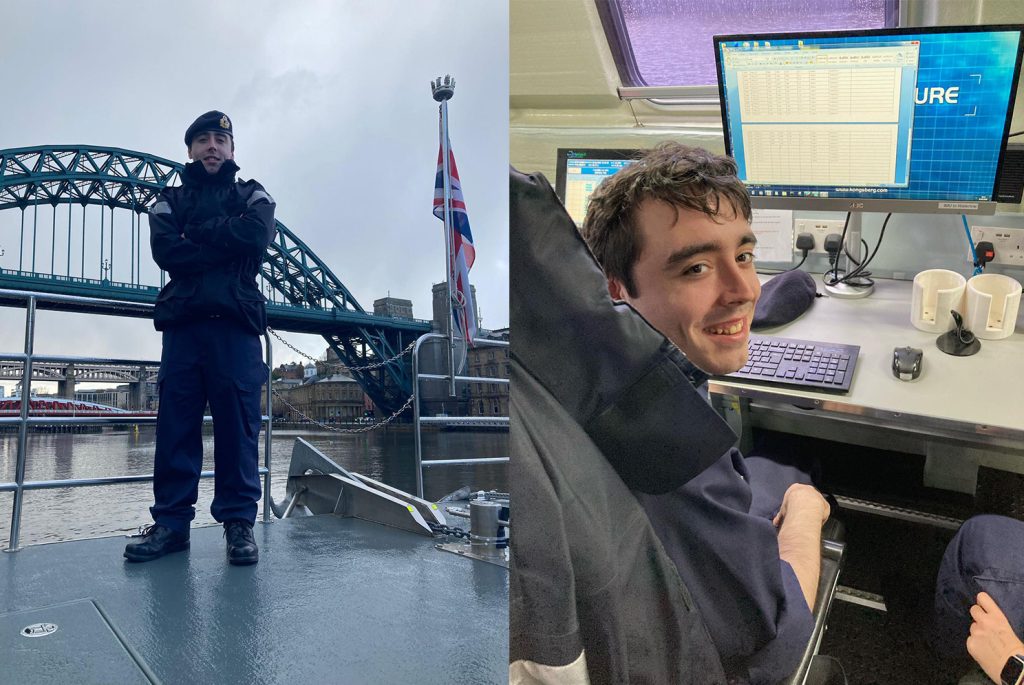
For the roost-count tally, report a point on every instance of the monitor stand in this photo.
(849, 291)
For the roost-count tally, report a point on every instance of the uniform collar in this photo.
(195, 174)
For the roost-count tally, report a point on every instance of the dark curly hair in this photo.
(682, 176)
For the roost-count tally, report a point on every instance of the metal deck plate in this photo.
(331, 600)
(76, 644)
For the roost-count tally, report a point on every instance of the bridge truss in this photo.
(304, 294)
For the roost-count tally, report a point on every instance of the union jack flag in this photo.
(463, 252)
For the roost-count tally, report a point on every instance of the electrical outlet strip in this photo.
(819, 228)
(1008, 243)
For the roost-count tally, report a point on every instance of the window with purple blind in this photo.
(669, 42)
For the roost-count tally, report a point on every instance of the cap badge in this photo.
(225, 122)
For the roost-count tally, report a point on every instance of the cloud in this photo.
(333, 115)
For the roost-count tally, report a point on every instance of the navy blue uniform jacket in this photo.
(210, 235)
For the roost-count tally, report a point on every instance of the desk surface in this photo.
(978, 398)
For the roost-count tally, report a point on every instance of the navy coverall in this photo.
(210, 235)
(595, 580)
(607, 410)
(718, 530)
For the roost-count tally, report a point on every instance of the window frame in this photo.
(633, 86)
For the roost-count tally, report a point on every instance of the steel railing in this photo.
(108, 307)
(449, 420)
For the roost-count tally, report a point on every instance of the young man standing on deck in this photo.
(210, 235)
(672, 234)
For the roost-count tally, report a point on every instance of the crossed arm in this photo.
(245, 235)
(191, 248)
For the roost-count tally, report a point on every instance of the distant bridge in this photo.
(126, 372)
(85, 260)
(57, 406)
(134, 374)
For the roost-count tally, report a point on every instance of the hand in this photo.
(992, 640)
(801, 496)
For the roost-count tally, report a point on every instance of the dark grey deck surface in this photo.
(332, 601)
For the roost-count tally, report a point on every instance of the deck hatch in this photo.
(81, 647)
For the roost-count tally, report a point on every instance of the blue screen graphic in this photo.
(933, 129)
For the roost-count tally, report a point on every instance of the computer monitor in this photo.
(580, 171)
(882, 120)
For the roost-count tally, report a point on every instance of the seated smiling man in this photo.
(672, 233)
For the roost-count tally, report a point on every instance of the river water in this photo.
(95, 511)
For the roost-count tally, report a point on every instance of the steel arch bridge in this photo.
(304, 294)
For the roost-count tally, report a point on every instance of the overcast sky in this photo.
(332, 113)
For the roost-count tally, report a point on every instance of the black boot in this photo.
(242, 549)
(156, 541)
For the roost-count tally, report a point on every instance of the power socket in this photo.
(819, 228)
(1008, 243)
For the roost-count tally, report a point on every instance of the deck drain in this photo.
(39, 630)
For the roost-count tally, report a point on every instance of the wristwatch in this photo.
(1013, 671)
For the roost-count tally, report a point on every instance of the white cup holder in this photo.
(936, 292)
(992, 304)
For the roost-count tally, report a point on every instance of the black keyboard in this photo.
(803, 364)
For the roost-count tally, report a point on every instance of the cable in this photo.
(863, 244)
(833, 260)
(776, 272)
(970, 241)
(857, 276)
(859, 271)
(861, 277)
(1018, 133)
(804, 259)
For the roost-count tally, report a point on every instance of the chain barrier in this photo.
(364, 429)
(441, 529)
(342, 365)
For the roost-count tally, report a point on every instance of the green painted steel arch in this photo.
(125, 179)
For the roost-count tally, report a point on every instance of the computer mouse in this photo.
(906, 363)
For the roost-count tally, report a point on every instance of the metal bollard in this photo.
(484, 530)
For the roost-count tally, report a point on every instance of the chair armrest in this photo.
(831, 563)
(833, 529)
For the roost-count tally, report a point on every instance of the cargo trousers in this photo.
(209, 360)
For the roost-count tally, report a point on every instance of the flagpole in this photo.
(443, 90)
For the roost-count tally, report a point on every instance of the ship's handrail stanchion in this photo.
(418, 420)
(31, 301)
(268, 435)
(26, 396)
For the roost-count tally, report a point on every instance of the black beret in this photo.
(211, 121)
(784, 298)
